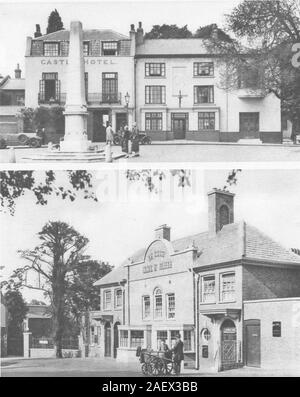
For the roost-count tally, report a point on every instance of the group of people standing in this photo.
(176, 352)
(129, 139)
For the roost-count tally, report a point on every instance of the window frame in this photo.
(196, 68)
(204, 119)
(168, 295)
(86, 43)
(221, 291)
(157, 295)
(105, 307)
(156, 121)
(202, 289)
(116, 306)
(45, 43)
(210, 95)
(144, 317)
(151, 95)
(107, 49)
(153, 65)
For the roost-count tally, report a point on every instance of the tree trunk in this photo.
(58, 313)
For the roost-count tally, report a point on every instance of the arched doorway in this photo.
(116, 338)
(228, 345)
(107, 339)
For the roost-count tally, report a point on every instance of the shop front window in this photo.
(206, 121)
(173, 335)
(153, 121)
(161, 335)
(137, 338)
(187, 340)
(123, 338)
(158, 309)
(228, 287)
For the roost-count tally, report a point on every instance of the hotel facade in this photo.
(232, 293)
(171, 88)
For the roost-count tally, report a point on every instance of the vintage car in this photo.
(23, 138)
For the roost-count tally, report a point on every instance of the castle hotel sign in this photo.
(157, 258)
(89, 61)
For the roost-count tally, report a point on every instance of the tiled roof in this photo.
(172, 47)
(234, 242)
(38, 311)
(91, 34)
(14, 84)
(115, 276)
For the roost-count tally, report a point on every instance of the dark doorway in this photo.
(228, 345)
(15, 345)
(252, 341)
(116, 339)
(107, 340)
(121, 119)
(179, 124)
(99, 125)
(249, 125)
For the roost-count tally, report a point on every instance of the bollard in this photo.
(12, 155)
(108, 156)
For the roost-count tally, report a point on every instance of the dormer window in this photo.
(51, 49)
(86, 48)
(109, 48)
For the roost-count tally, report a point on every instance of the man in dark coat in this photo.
(178, 354)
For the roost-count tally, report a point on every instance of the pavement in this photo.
(188, 151)
(103, 367)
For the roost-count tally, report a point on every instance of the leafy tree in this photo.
(54, 260)
(54, 22)
(261, 55)
(17, 311)
(206, 32)
(168, 32)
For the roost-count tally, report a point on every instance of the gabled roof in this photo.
(172, 47)
(234, 242)
(91, 34)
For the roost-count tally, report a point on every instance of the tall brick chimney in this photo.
(214, 32)
(220, 209)
(18, 72)
(139, 34)
(132, 35)
(37, 32)
(163, 232)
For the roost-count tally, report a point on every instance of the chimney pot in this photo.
(220, 209)
(18, 72)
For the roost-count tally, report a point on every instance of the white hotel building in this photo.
(173, 88)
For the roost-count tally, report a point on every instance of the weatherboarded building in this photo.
(231, 292)
(172, 88)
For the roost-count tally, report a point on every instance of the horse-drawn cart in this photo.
(155, 363)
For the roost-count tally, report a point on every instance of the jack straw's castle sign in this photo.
(157, 258)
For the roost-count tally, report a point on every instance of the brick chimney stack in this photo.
(139, 34)
(37, 32)
(132, 35)
(18, 72)
(163, 232)
(214, 32)
(220, 210)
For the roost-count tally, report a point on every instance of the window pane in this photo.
(51, 49)
(228, 287)
(107, 299)
(146, 306)
(123, 338)
(203, 69)
(203, 94)
(208, 289)
(153, 121)
(187, 340)
(155, 69)
(137, 338)
(155, 94)
(206, 121)
(171, 305)
(161, 335)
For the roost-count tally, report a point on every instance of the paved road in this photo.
(96, 367)
(192, 153)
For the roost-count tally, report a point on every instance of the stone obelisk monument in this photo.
(75, 139)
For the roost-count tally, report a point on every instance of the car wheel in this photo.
(147, 141)
(34, 143)
(117, 140)
(3, 143)
(22, 139)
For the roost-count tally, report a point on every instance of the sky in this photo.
(117, 226)
(18, 19)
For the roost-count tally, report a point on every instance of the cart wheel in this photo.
(145, 369)
(168, 368)
(117, 140)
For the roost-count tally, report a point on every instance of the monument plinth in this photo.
(75, 147)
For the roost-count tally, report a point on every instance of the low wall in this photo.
(8, 127)
(50, 353)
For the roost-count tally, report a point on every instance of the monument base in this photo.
(70, 157)
(75, 146)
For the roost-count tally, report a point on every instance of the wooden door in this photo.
(228, 345)
(179, 125)
(107, 340)
(252, 335)
(249, 125)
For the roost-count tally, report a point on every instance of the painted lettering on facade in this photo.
(157, 259)
(86, 61)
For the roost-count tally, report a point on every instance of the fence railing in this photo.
(91, 98)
